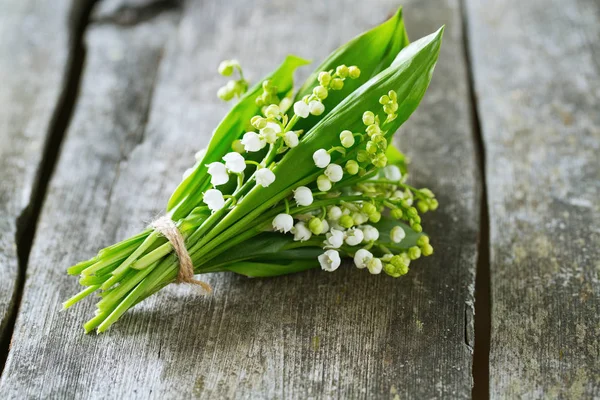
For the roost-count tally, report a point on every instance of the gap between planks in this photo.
(481, 355)
(27, 220)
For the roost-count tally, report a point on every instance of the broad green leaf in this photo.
(266, 270)
(409, 76)
(372, 51)
(230, 129)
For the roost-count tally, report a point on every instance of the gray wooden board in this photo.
(34, 53)
(538, 83)
(147, 104)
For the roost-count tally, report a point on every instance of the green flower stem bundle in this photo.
(290, 180)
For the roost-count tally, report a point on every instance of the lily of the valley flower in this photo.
(370, 233)
(291, 139)
(323, 183)
(354, 237)
(316, 107)
(234, 162)
(269, 133)
(301, 109)
(213, 198)
(392, 173)
(334, 213)
(375, 266)
(321, 158)
(330, 260)
(397, 234)
(362, 257)
(218, 173)
(303, 196)
(264, 177)
(301, 232)
(335, 239)
(334, 172)
(253, 142)
(283, 223)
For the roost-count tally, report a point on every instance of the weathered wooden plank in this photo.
(538, 83)
(311, 335)
(35, 50)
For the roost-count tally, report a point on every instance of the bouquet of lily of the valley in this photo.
(290, 180)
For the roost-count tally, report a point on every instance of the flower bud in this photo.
(368, 118)
(347, 139)
(375, 217)
(352, 167)
(324, 78)
(371, 233)
(224, 93)
(316, 226)
(380, 160)
(372, 147)
(301, 109)
(272, 111)
(337, 84)
(226, 67)
(433, 204)
(427, 250)
(397, 213)
(373, 129)
(375, 266)
(237, 146)
(346, 221)
(416, 227)
(422, 240)
(291, 139)
(369, 208)
(323, 183)
(414, 253)
(383, 100)
(258, 122)
(354, 72)
(321, 92)
(342, 71)
(362, 156)
(422, 206)
(359, 218)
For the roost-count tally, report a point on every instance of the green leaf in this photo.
(409, 75)
(396, 157)
(266, 270)
(229, 130)
(372, 51)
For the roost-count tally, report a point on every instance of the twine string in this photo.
(165, 226)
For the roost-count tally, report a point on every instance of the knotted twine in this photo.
(165, 226)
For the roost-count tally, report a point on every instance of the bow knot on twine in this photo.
(165, 226)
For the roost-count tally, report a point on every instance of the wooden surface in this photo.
(537, 77)
(35, 44)
(147, 103)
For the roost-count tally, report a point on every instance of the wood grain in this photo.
(538, 83)
(147, 104)
(35, 51)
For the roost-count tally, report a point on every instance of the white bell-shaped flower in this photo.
(362, 257)
(301, 109)
(334, 213)
(303, 196)
(325, 227)
(253, 142)
(234, 162)
(323, 183)
(283, 223)
(375, 266)
(354, 236)
(321, 158)
(301, 232)
(397, 234)
(392, 173)
(291, 139)
(334, 172)
(335, 239)
(269, 132)
(316, 107)
(213, 198)
(264, 177)
(330, 260)
(218, 173)
(370, 233)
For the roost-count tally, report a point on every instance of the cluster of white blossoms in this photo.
(340, 210)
